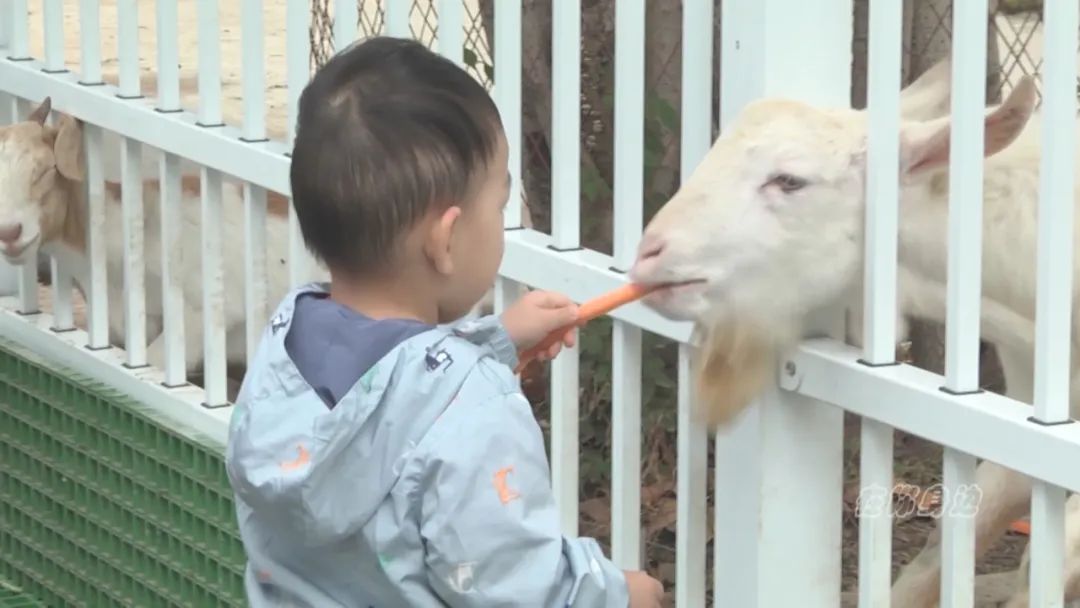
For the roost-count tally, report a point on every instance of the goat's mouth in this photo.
(677, 286)
(678, 300)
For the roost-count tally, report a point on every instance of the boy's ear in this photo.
(440, 240)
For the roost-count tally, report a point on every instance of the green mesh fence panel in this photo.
(104, 502)
(11, 597)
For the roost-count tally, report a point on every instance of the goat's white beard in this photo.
(738, 356)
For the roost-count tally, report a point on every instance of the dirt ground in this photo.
(917, 462)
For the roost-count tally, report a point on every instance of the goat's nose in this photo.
(10, 233)
(651, 246)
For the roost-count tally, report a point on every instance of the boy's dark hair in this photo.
(386, 131)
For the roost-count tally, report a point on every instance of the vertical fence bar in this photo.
(298, 67)
(696, 84)
(875, 513)
(53, 14)
(565, 436)
(626, 446)
(879, 313)
(958, 533)
(1055, 254)
(26, 281)
(690, 526)
(626, 338)
(18, 110)
(297, 58)
(29, 303)
(255, 289)
(209, 64)
(168, 64)
(883, 96)
(1047, 565)
(346, 17)
(213, 288)
(98, 293)
(170, 218)
(20, 31)
(1053, 317)
(565, 185)
(62, 309)
(629, 130)
(451, 41)
(90, 41)
(565, 125)
(696, 137)
(506, 293)
(965, 198)
(213, 285)
(62, 312)
(297, 252)
(131, 200)
(172, 289)
(254, 79)
(127, 39)
(964, 282)
(507, 95)
(396, 17)
(131, 193)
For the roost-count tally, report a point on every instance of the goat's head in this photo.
(34, 159)
(769, 227)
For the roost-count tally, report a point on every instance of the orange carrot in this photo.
(1021, 526)
(588, 311)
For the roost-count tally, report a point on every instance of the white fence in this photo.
(778, 480)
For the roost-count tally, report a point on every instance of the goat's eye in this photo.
(788, 183)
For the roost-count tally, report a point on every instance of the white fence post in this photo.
(9, 275)
(778, 491)
(5, 23)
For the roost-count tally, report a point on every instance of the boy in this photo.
(378, 457)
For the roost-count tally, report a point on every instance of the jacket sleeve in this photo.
(490, 524)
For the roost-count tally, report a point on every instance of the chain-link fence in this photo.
(1014, 42)
(424, 25)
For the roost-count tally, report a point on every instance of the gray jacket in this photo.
(385, 464)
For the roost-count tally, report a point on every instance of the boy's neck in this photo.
(384, 298)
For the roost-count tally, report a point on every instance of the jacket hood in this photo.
(324, 471)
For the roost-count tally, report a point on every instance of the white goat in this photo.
(42, 169)
(769, 229)
(43, 203)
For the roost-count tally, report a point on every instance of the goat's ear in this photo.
(68, 148)
(925, 146)
(41, 112)
(929, 96)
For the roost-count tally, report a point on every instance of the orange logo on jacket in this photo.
(504, 491)
(303, 457)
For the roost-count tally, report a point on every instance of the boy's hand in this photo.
(535, 315)
(645, 591)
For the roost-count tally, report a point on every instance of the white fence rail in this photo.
(778, 469)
